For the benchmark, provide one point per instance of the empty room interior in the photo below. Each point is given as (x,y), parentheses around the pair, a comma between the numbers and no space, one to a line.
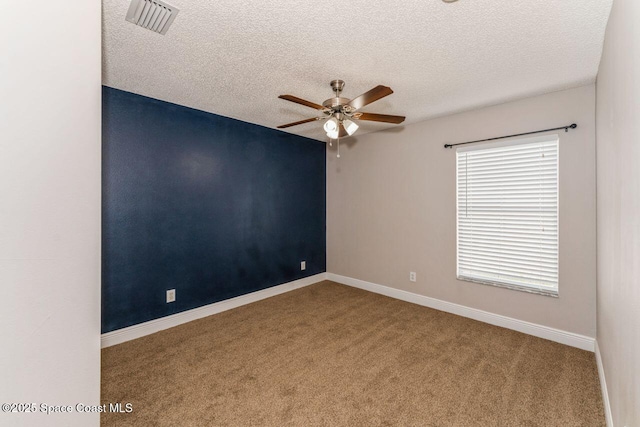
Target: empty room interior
(276,213)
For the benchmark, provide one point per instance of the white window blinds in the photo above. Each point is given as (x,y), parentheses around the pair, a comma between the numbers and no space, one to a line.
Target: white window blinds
(508,214)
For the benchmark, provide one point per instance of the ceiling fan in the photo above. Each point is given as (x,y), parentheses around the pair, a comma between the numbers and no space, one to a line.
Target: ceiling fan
(339,112)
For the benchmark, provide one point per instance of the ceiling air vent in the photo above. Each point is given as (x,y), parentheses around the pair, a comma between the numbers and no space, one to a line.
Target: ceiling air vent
(152,14)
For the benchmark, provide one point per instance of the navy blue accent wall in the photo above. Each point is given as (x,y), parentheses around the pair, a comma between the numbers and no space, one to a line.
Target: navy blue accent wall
(210,206)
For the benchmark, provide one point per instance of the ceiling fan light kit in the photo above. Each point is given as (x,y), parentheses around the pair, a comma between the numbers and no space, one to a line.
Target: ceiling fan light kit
(340,112)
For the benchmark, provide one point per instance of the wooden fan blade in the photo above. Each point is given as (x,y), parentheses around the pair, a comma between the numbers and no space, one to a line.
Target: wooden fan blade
(299,123)
(342,132)
(370,96)
(379,117)
(302,102)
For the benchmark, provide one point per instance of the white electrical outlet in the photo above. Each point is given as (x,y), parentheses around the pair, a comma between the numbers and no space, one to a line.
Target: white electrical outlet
(412,276)
(171,295)
(303,265)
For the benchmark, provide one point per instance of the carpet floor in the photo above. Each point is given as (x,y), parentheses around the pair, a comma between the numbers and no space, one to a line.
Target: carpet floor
(332,355)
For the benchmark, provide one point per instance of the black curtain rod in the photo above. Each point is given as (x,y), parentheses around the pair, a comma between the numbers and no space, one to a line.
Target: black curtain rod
(566,129)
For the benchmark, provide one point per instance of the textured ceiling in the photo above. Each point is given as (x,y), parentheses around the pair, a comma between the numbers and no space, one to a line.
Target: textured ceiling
(234,58)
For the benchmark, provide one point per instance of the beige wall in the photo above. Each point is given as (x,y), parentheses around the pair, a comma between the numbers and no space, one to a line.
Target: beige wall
(391,209)
(50,209)
(618,166)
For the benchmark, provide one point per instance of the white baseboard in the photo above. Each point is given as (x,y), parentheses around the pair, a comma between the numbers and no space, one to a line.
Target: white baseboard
(136,331)
(152,326)
(603,385)
(557,335)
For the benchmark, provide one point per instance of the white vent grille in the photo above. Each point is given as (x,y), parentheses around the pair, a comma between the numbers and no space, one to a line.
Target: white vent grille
(153,15)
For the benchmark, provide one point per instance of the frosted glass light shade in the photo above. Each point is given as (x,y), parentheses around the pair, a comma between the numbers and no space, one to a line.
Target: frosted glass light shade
(333,134)
(331,125)
(350,126)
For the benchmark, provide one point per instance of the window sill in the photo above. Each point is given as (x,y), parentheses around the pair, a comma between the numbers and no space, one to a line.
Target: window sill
(545,292)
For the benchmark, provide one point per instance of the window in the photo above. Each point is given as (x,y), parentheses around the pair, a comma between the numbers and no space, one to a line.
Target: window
(507,198)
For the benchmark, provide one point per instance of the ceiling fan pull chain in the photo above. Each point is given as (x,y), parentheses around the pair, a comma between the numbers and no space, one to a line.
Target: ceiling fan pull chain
(338,147)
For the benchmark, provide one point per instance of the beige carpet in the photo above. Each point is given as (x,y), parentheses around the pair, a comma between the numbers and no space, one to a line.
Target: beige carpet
(332,355)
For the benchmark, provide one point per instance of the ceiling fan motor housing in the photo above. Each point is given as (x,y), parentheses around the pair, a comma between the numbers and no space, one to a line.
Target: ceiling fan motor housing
(336,103)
